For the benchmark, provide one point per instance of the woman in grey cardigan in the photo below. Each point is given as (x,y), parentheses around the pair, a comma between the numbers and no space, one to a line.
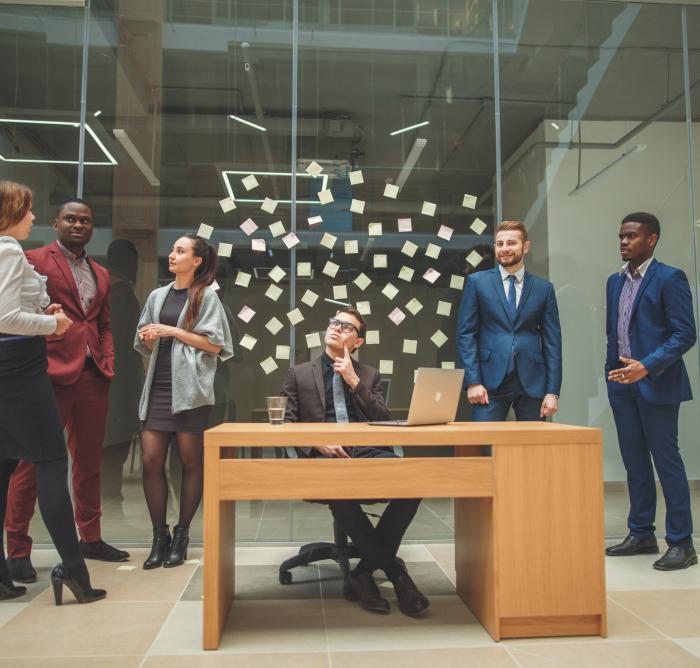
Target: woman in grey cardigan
(183,329)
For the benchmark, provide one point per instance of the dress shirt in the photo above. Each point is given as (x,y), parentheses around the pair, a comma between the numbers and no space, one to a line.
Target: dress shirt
(85,280)
(519,276)
(624,309)
(328,373)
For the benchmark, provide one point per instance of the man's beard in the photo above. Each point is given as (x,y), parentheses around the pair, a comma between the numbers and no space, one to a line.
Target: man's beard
(509,263)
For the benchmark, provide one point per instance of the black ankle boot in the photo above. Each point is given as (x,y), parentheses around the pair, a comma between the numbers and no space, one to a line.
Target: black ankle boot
(178,548)
(160,547)
(80,586)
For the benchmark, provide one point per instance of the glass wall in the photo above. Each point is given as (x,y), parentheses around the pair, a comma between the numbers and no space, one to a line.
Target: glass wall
(399,104)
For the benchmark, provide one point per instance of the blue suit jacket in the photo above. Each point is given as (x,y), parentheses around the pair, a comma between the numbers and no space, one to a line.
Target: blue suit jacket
(661,330)
(485,334)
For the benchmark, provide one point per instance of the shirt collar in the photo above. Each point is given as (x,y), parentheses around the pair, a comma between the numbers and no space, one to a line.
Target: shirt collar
(519,275)
(624,269)
(70,255)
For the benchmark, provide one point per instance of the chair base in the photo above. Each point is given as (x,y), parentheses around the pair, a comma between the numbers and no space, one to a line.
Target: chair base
(314,552)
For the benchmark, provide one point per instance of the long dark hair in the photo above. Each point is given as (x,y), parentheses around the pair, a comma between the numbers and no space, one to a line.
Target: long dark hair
(204,275)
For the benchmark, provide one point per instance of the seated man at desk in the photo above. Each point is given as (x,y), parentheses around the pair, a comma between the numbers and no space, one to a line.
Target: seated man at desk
(336,388)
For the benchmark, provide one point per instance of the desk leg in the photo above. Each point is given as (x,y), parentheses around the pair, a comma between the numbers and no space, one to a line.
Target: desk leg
(219,553)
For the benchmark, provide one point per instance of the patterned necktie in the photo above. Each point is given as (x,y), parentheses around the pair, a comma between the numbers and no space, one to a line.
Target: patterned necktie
(341,410)
(512,306)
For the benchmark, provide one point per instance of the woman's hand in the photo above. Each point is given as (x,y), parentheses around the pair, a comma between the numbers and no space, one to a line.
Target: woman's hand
(63,322)
(53,309)
(156,331)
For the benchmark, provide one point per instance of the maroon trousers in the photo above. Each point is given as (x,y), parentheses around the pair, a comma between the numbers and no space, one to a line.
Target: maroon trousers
(83,410)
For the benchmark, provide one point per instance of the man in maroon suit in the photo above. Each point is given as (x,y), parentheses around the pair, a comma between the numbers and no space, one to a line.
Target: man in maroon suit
(81,364)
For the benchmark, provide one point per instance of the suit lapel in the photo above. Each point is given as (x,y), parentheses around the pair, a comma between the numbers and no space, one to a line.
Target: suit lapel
(102,283)
(648,277)
(317,371)
(62,263)
(497,284)
(527,288)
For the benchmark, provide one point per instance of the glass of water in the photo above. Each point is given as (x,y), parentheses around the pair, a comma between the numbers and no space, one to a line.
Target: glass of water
(275,409)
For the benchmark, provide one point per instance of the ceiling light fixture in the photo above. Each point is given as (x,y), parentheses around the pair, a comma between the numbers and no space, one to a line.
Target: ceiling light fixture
(227,183)
(124,139)
(245,122)
(410,127)
(411,160)
(98,113)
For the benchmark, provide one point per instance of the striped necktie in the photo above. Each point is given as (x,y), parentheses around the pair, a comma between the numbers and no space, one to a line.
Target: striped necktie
(341,409)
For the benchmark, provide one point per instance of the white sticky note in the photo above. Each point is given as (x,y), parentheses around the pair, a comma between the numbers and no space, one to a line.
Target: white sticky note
(290,240)
(474,258)
(295,316)
(325,196)
(331,269)
(273,325)
(351,247)
(390,291)
(439,338)
(447,365)
(379,261)
(374,230)
(277,273)
(414,306)
(246,314)
(248,341)
(433,250)
(356,177)
(314,220)
(405,225)
(314,168)
(406,274)
(309,298)
(386,367)
(313,340)
(362,281)
(224,249)
(456,282)
(277,229)
(372,337)
(248,226)
(444,308)
(258,245)
(431,275)
(478,226)
(469,201)
(269,365)
(328,240)
(365,308)
(243,279)
(410,346)
(428,209)
(205,231)
(304,269)
(357,206)
(250,182)
(340,292)
(274,292)
(397,316)
(390,190)
(269,205)
(282,352)
(445,232)
(227,204)
(409,248)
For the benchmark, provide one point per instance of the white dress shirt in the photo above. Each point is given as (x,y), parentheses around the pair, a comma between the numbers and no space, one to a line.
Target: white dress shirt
(519,276)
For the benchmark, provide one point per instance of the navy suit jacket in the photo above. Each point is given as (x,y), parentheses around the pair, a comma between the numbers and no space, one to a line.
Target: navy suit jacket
(486,333)
(661,330)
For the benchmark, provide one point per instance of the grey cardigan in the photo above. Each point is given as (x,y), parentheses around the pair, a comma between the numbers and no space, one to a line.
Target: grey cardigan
(192,369)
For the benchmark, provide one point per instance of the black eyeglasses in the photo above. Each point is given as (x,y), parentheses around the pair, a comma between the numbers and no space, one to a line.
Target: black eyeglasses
(347,327)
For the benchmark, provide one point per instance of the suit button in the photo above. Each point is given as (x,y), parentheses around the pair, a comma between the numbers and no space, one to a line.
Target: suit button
(85,322)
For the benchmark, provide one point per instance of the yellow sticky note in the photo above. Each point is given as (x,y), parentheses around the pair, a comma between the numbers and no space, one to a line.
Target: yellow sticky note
(379,261)
(269,365)
(444,308)
(314,168)
(309,298)
(362,281)
(282,352)
(340,292)
(357,206)
(273,292)
(433,250)
(227,204)
(456,282)
(365,308)
(356,177)
(447,365)
(478,226)
(469,202)
(409,248)
(414,306)
(372,337)
(273,325)
(351,247)
(277,229)
(439,338)
(313,340)
(390,190)
(248,341)
(328,240)
(331,269)
(406,274)
(224,249)
(295,316)
(304,269)
(243,279)
(268,205)
(410,346)
(428,209)
(386,367)
(325,196)
(277,273)
(390,291)
(205,231)
(250,182)
(374,230)
(474,258)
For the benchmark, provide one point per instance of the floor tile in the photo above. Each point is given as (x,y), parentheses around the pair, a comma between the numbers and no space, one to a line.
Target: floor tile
(479,657)
(216,660)
(444,555)
(73,662)
(636,573)
(34,589)
(691,645)
(673,612)
(10,608)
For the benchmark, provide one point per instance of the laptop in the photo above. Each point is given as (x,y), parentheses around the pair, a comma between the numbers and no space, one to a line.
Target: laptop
(435,398)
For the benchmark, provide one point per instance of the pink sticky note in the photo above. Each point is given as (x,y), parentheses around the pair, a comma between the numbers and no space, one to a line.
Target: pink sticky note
(290,240)
(248,226)
(405,225)
(445,232)
(397,316)
(431,275)
(258,245)
(246,314)
(314,220)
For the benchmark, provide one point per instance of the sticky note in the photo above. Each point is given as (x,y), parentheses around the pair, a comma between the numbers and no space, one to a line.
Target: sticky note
(277,229)
(309,298)
(362,281)
(379,261)
(469,202)
(405,225)
(340,292)
(433,250)
(273,325)
(386,367)
(439,338)
(365,308)
(313,340)
(274,292)
(282,352)
(268,365)
(390,291)
(290,240)
(478,226)
(456,282)
(428,209)
(328,240)
(277,273)
(268,205)
(126,568)
(304,269)
(314,220)
(227,204)
(390,190)
(250,182)
(246,314)
(406,274)
(444,308)
(372,337)
(414,306)
(410,346)
(295,316)
(474,258)
(205,231)
(447,365)
(351,247)
(356,177)
(397,316)
(445,232)
(258,245)
(331,269)
(248,341)
(224,249)
(431,275)
(314,168)
(325,196)
(409,248)
(243,279)
(248,226)
(374,230)
(357,206)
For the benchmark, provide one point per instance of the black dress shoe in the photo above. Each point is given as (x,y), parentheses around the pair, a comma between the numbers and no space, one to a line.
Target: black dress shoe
(368,593)
(21,569)
(633,545)
(676,558)
(101,551)
(411,601)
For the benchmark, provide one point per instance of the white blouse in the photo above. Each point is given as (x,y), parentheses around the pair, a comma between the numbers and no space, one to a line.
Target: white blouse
(23,294)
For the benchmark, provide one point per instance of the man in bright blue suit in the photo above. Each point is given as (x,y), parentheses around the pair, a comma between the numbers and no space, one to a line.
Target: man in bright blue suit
(649,327)
(508,336)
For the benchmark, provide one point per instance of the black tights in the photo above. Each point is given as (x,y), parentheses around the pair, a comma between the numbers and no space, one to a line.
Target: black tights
(154,445)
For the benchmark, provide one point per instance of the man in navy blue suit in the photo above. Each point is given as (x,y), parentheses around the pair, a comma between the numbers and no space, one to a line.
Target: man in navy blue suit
(508,336)
(649,327)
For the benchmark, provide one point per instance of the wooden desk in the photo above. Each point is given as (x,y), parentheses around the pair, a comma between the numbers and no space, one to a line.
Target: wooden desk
(528,517)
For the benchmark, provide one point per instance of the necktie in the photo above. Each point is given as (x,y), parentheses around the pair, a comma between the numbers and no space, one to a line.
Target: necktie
(512,305)
(341,410)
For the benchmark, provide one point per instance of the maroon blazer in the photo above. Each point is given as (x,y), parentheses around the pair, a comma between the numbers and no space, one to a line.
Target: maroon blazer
(67,352)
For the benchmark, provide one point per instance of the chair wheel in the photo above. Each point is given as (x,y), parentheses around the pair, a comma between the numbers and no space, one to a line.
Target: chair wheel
(285,577)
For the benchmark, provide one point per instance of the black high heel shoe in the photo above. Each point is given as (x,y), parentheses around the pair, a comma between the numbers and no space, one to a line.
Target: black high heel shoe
(160,547)
(178,548)
(9,590)
(83,594)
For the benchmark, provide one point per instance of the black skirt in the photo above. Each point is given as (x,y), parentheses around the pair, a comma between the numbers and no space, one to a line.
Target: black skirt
(161,418)
(30,425)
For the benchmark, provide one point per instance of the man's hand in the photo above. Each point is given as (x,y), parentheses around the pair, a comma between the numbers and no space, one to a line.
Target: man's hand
(632,372)
(53,309)
(332,451)
(63,322)
(343,366)
(550,405)
(477,394)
